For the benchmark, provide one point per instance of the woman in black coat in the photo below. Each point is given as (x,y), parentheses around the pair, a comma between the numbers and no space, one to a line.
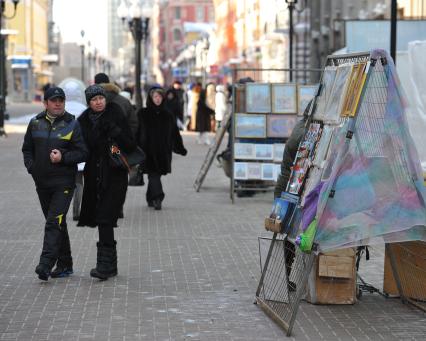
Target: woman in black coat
(158,136)
(105,187)
(203,118)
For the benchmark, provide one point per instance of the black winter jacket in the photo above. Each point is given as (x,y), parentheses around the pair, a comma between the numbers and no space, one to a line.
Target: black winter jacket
(158,137)
(41,138)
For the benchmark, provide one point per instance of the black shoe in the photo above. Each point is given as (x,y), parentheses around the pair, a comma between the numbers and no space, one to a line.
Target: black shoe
(61,271)
(150,204)
(157,205)
(291,286)
(43,272)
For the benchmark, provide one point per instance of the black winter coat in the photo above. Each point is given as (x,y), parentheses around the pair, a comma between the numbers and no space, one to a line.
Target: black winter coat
(41,138)
(105,187)
(158,137)
(204,114)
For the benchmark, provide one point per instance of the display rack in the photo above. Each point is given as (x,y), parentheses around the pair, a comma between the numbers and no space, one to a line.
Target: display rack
(263,117)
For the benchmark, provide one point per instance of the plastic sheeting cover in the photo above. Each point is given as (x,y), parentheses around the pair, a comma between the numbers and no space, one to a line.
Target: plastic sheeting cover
(376,176)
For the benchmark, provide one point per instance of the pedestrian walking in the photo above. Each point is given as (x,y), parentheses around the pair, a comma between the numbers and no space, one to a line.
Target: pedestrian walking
(158,136)
(221,105)
(180,95)
(53,146)
(204,114)
(105,186)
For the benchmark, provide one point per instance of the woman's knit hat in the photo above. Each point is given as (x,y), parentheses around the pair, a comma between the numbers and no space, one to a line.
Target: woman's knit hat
(94,90)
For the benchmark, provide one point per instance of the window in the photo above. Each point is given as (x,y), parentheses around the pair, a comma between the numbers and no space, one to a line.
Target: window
(177,35)
(177,13)
(199,14)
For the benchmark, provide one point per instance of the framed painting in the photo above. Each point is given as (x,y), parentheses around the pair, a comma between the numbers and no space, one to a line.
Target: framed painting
(258,98)
(268,171)
(254,170)
(240,171)
(328,78)
(250,126)
(280,125)
(240,98)
(278,152)
(264,151)
(304,95)
(244,151)
(353,93)
(284,98)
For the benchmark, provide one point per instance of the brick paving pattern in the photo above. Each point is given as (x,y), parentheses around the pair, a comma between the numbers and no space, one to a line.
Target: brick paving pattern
(188,272)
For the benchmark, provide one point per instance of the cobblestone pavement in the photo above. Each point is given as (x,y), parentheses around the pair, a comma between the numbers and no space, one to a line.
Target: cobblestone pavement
(188,272)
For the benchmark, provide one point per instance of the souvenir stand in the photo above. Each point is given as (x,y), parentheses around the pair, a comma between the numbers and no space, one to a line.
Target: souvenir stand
(356,180)
(264,115)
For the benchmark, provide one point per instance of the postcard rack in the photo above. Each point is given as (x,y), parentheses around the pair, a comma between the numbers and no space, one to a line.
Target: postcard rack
(264,115)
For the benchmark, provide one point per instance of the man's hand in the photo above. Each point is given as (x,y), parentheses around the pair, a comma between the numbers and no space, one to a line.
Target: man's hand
(55,156)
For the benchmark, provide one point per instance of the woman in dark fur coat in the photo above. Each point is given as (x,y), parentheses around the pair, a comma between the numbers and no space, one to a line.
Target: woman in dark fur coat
(105,187)
(158,136)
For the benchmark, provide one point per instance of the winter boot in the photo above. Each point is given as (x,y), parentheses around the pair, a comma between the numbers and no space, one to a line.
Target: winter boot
(61,271)
(106,263)
(43,271)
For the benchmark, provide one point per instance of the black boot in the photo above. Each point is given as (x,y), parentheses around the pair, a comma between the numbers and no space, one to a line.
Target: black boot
(157,204)
(106,263)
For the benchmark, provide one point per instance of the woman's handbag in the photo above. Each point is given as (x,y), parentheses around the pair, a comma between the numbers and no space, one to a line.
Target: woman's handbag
(136,176)
(119,159)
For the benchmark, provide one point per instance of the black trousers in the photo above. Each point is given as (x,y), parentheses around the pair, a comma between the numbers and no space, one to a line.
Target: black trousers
(55,203)
(155,188)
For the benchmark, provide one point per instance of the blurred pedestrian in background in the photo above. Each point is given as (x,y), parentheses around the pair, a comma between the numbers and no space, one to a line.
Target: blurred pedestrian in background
(221,103)
(180,96)
(105,185)
(158,136)
(195,96)
(203,117)
(53,146)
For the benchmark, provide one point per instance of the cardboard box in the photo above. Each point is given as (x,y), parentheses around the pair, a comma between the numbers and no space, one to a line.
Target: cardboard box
(333,278)
(410,259)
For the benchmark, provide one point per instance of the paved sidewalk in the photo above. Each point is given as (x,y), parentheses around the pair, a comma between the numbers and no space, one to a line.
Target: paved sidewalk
(188,272)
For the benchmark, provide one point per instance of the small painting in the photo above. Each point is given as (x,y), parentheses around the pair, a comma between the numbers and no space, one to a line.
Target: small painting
(278,152)
(284,98)
(250,126)
(268,171)
(305,93)
(244,151)
(254,170)
(281,125)
(258,98)
(240,171)
(264,151)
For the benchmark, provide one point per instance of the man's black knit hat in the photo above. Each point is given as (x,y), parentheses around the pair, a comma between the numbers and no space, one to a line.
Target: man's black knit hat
(101,78)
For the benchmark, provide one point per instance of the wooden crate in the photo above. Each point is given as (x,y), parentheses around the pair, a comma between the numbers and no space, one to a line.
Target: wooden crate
(333,278)
(410,259)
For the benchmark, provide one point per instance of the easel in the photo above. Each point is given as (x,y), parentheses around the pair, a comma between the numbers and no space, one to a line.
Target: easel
(212,152)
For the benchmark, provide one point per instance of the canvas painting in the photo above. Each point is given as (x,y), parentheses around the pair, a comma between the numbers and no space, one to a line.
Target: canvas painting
(254,170)
(268,171)
(353,94)
(278,151)
(328,77)
(334,105)
(240,171)
(264,151)
(258,98)
(244,151)
(280,125)
(250,126)
(305,94)
(284,98)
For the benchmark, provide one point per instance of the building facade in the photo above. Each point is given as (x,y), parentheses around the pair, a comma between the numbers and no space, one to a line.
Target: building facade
(27,49)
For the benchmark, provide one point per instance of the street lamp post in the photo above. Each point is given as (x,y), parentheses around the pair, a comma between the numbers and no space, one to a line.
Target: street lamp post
(291,5)
(82,55)
(3,79)
(138,25)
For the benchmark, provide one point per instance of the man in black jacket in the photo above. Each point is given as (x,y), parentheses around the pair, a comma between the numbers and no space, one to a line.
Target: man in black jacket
(52,148)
